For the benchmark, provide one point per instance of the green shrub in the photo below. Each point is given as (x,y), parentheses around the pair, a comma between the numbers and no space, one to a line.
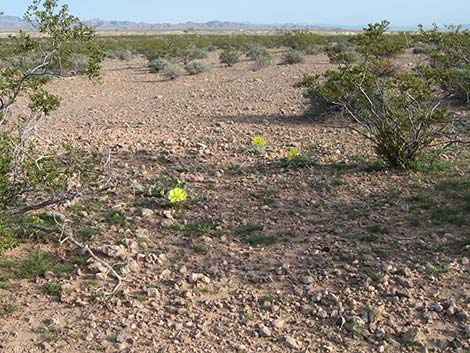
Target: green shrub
(449,64)
(261,56)
(121,54)
(159,64)
(293,57)
(190,53)
(255,52)
(32,179)
(196,67)
(299,39)
(79,64)
(172,71)
(229,57)
(421,48)
(342,53)
(399,113)
(314,49)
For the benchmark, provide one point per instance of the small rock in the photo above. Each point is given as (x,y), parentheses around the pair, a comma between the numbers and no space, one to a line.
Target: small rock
(133,265)
(413,335)
(152,292)
(375,314)
(279,324)
(462,315)
(292,343)
(307,279)
(437,307)
(89,337)
(465,261)
(146,212)
(241,348)
(322,314)
(168,214)
(121,337)
(264,331)
(166,222)
(165,275)
(49,275)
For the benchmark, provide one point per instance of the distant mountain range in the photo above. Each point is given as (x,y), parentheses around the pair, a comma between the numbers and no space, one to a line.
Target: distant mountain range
(13,23)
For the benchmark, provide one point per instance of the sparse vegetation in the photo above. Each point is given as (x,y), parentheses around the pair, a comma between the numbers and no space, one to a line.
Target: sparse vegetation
(261,57)
(398,112)
(196,67)
(230,57)
(159,64)
(293,57)
(172,71)
(449,65)
(31,179)
(226,212)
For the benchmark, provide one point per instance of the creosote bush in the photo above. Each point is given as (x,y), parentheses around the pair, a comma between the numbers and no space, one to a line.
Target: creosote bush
(190,53)
(31,178)
(157,65)
(196,67)
(314,49)
(121,54)
(261,57)
(172,71)
(229,57)
(449,54)
(400,113)
(293,56)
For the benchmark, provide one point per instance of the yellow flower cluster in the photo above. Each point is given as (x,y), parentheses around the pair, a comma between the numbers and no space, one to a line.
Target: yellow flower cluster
(259,141)
(293,153)
(177,195)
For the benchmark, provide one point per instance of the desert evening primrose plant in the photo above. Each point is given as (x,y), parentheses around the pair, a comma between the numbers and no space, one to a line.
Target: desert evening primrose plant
(167,192)
(257,146)
(293,153)
(295,159)
(177,195)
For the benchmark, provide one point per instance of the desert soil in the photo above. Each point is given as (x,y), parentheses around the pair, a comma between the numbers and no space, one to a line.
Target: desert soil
(334,258)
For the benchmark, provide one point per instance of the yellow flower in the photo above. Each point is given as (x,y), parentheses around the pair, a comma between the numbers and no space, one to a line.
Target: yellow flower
(259,141)
(293,153)
(177,195)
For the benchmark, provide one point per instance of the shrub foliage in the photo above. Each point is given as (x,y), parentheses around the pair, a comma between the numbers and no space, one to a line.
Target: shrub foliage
(400,113)
(30,178)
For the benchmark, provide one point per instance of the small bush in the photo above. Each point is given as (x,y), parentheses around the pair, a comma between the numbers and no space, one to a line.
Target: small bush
(190,53)
(314,49)
(211,48)
(299,39)
(79,64)
(261,56)
(255,52)
(342,53)
(449,63)
(172,71)
(196,67)
(293,57)
(229,57)
(400,113)
(262,62)
(421,48)
(123,54)
(159,64)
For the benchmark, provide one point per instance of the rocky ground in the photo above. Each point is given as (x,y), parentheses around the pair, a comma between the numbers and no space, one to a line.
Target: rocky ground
(344,256)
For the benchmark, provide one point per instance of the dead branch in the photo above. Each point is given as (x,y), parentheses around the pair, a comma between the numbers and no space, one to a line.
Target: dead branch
(68,237)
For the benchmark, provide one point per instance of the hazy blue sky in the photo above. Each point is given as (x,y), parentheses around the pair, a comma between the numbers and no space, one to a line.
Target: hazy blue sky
(347,12)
